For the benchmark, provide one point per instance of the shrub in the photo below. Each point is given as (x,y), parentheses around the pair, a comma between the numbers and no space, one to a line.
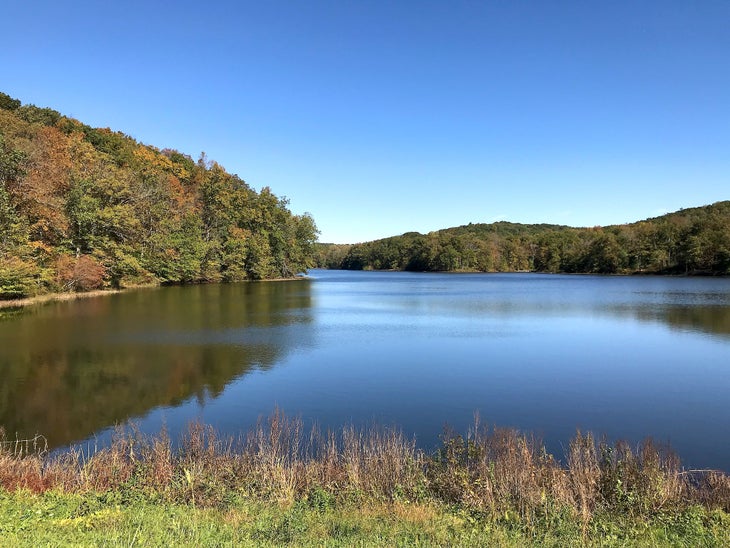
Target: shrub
(19,278)
(81,274)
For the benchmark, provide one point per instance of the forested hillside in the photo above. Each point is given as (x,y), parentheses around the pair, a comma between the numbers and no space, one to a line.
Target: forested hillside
(84,208)
(695,240)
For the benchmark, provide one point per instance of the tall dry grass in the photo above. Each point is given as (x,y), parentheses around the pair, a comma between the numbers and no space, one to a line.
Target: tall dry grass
(492,470)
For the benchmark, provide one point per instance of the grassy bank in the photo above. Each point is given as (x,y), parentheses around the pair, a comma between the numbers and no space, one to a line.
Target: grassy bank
(283,484)
(112,519)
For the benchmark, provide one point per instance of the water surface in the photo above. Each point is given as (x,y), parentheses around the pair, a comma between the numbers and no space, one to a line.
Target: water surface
(625,357)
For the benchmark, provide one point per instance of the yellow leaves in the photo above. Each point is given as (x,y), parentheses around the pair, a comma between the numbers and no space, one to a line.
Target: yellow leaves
(146,155)
(41,247)
(180,172)
(239,234)
(152,161)
(101,518)
(86,160)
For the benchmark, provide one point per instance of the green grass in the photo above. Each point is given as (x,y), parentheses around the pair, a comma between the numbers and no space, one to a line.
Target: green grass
(53,519)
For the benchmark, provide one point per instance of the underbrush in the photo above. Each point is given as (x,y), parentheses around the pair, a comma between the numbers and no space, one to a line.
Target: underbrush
(323,485)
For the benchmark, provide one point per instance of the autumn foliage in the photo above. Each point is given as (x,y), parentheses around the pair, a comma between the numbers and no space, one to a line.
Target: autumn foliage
(79,274)
(86,208)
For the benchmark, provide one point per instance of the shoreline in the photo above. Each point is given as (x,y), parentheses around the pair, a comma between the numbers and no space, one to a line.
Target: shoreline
(636,274)
(66,296)
(72,296)
(493,479)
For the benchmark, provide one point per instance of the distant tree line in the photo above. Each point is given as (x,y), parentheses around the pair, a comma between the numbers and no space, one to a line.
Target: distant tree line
(689,241)
(84,208)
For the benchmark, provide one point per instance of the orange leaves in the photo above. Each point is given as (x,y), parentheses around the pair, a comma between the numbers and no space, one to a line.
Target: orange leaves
(40,194)
(79,274)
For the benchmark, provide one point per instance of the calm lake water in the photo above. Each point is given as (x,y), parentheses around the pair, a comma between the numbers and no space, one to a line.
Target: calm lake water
(626,357)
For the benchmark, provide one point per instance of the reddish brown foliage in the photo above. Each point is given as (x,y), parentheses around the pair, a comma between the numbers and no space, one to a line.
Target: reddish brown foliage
(80,274)
(41,194)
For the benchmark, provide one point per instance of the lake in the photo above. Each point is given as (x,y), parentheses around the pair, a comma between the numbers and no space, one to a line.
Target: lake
(624,357)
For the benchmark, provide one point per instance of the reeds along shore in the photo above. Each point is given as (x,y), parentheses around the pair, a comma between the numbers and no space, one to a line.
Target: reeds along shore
(491,470)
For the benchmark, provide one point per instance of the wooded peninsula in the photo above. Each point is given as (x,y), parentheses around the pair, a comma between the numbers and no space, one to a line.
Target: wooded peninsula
(85,208)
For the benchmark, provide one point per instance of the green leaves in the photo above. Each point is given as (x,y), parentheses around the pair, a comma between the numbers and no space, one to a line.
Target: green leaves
(176,250)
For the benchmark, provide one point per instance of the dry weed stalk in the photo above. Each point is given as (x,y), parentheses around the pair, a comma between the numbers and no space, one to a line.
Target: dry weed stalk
(495,470)
(584,473)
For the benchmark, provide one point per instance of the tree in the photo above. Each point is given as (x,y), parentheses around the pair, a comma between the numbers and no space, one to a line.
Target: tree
(14,230)
(19,278)
(36,115)
(82,273)
(42,194)
(177,250)
(8,103)
(605,255)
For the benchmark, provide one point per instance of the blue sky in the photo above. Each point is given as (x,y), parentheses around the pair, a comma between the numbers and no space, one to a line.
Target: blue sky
(381,117)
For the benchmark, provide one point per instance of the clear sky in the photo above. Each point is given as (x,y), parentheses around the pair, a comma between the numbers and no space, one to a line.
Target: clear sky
(383,116)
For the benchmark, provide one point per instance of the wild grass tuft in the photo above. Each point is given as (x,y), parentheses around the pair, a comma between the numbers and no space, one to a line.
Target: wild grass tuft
(486,472)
